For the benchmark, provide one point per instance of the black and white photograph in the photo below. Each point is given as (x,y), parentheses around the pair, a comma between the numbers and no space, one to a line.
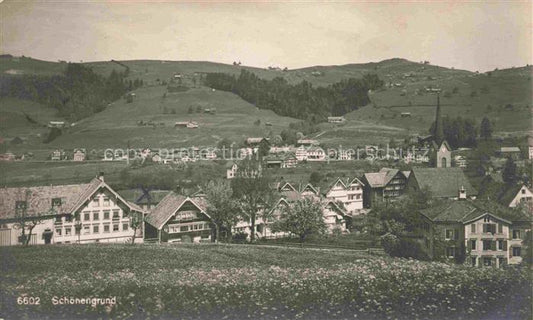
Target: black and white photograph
(266,160)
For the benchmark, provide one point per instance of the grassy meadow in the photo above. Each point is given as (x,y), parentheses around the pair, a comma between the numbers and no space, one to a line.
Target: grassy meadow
(242,282)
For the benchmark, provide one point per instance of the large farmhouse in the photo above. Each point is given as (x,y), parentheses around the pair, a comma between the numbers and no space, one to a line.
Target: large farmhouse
(386,184)
(347,191)
(440,182)
(77,213)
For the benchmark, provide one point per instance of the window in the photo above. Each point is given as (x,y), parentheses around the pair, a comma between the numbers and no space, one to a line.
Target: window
(68,218)
(184,228)
(523,191)
(487,262)
(450,252)
(449,234)
(68,231)
(489,228)
(106,228)
(77,231)
(125,227)
(473,228)
(58,232)
(500,244)
(96,216)
(501,261)
(86,216)
(516,234)
(116,214)
(500,228)
(517,251)
(474,260)
(56,202)
(487,245)
(106,202)
(115,228)
(96,229)
(106,215)
(86,229)
(96,202)
(473,244)
(59,219)
(350,197)
(20,205)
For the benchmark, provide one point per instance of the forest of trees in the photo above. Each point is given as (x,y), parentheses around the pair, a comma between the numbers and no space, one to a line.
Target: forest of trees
(459,132)
(77,93)
(302,101)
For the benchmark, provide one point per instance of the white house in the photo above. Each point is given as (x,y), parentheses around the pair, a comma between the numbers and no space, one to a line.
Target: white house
(231,170)
(336,119)
(530,147)
(78,213)
(517,195)
(349,192)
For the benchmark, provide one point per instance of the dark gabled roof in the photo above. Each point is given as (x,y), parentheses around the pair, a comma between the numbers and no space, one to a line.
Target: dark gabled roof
(137,196)
(509,194)
(168,206)
(382,178)
(39,199)
(465,211)
(437,146)
(443,182)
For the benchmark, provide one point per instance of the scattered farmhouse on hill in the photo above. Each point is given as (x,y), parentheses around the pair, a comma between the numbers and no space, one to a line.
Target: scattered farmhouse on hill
(91,212)
(517,195)
(79,155)
(336,119)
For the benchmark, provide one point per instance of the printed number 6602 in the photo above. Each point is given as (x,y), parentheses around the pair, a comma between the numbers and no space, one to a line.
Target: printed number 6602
(29,300)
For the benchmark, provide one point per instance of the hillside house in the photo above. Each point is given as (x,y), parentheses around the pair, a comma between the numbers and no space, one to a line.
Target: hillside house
(460,161)
(307,142)
(301,153)
(530,147)
(255,142)
(78,213)
(57,155)
(349,192)
(386,184)
(441,182)
(288,160)
(78,155)
(482,234)
(8,156)
(57,124)
(178,218)
(336,119)
(510,152)
(405,114)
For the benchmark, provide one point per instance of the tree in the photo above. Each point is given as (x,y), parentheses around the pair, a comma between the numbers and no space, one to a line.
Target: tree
(315,178)
(509,172)
(302,218)
(485,130)
(264,148)
(136,221)
(252,191)
(221,206)
(26,221)
(190,110)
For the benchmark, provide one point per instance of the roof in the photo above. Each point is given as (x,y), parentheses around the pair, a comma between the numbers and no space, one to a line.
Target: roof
(510,149)
(437,146)
(139,197)
(466,211)
(168,206)
(509,194)
(443,182)
(39,199)
(381,178)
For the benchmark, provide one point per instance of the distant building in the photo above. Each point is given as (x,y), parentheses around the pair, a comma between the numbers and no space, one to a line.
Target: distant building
(443,154)
(336,119)
(57,155)
(78,155)
(307,142)
(517,195)
(405,114)
(460,161)
(349,192)
(281,161)
(255,142)
(530,147)
(57,124)
(316,154)
(8,156)
(512,152)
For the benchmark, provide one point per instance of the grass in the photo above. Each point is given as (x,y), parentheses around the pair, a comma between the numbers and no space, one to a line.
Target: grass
(241,282)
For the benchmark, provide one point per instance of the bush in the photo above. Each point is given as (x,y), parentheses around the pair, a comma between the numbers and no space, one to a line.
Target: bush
(403,247)
(239,237)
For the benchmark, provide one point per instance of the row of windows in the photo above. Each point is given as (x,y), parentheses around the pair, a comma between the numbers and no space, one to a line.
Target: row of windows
(354,196)
(488,261)
(187,228)
(91,229)
(105,203)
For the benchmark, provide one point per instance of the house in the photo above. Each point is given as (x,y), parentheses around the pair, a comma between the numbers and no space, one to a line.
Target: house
(482,234)
(512,152)
(336,119)
(78,213)
(386,184)
(530,147)
(186,124)
(460,161)
(192,125)
(405,114)
(178,218)
(78,155)
(441,182)
(255,142)
(8,156)
(56,124)
(146,198)
(57,155)
(301,153)
(316,154)
(349,192)
(231,169)
(307,142)
(281,161)
(517,195)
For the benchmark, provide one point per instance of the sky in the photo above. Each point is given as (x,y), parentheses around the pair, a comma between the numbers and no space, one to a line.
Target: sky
(473,35)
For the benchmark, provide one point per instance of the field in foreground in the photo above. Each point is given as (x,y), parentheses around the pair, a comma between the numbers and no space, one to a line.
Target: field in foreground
(242,282)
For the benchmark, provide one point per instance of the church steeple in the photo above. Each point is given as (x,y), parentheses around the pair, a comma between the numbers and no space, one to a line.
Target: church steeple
(438,135)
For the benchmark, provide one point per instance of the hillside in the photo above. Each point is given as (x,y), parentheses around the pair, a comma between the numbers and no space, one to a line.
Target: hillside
(503,95)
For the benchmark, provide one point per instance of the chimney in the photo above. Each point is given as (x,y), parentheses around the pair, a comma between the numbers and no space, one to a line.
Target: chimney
(101,176)
(462,193)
